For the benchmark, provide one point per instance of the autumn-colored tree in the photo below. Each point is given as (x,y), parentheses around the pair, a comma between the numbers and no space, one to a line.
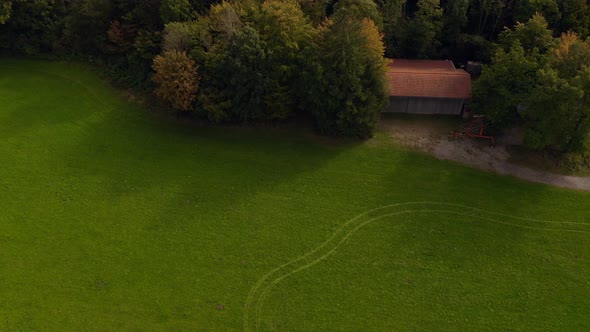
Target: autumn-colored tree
(176,79)
(565,42)
(224,19)
(570,55)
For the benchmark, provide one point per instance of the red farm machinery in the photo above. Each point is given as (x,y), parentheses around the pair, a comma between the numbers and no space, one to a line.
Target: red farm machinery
(476,128)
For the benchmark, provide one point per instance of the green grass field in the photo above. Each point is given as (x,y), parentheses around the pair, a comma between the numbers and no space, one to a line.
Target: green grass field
(116,218)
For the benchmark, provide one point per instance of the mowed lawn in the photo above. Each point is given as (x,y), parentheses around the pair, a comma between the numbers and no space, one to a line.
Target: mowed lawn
(116,218)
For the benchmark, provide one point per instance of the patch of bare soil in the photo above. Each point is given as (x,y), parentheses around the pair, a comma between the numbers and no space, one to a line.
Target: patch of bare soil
(433,135)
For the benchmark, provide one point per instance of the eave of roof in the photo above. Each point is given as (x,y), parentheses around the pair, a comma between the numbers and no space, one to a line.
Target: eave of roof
(428,79)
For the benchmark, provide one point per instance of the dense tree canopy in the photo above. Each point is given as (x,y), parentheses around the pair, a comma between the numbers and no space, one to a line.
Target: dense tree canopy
(176,78)
(175,11)
(533,36)
(460,29)
(269,60)
(505,85)
(545,84)
(359,9)
(419,35)
(352,90)
(558,115)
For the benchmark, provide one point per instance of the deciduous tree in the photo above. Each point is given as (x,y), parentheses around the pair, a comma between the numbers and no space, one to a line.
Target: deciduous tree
(558,115)
(505,85)
(176,79)
(287,35)
(571,55)
(359,9)
(180,36)
(250,84)
(534,35)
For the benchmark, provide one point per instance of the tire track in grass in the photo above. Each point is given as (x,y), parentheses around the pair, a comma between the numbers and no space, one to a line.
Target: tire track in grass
(256,296)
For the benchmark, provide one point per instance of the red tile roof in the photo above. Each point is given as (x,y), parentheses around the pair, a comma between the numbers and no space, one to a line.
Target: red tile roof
(428,78)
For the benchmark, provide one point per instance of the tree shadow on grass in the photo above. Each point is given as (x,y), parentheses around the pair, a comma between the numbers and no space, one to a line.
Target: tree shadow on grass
(196,198)
(196,206)
(139,192)
(101,134)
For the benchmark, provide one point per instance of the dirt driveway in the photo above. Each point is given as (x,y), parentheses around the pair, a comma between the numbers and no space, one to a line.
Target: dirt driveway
(431,134)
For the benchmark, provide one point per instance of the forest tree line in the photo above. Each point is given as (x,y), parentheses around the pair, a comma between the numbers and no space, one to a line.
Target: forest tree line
(254,60)
(541,82)
(447,29)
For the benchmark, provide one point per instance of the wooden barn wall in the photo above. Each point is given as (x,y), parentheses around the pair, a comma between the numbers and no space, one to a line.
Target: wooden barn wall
(424,105)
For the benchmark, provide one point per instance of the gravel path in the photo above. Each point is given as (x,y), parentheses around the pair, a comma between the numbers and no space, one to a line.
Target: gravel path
(432,136)
(467,152)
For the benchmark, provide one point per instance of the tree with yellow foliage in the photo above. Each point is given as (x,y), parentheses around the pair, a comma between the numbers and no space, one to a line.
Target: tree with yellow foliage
(176,79)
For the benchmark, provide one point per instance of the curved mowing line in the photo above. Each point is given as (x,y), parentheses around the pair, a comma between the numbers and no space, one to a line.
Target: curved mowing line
(257,294)
(267,289)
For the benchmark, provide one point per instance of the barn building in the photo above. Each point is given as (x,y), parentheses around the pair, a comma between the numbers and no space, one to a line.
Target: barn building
(427,87)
